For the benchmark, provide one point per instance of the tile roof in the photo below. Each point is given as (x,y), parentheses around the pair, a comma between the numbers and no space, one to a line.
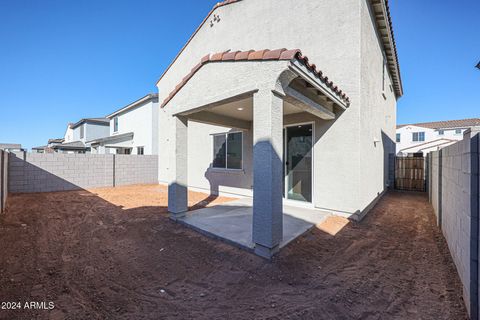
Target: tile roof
(260,55)
(463,123)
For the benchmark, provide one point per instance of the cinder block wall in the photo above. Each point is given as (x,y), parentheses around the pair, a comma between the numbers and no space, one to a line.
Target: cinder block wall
(3,180)
(454,193)
(135,169)
(31,172)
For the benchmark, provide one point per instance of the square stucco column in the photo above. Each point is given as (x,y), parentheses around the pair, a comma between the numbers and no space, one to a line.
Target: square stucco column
(267,172)
(177,186)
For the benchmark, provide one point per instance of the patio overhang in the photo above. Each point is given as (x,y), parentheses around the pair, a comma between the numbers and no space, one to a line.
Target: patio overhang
(287,73)
(250,90)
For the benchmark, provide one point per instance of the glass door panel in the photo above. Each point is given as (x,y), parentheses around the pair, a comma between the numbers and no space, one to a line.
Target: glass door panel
(298,162)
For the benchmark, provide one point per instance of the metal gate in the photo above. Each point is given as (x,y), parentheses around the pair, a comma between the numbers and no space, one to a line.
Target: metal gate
(410,174)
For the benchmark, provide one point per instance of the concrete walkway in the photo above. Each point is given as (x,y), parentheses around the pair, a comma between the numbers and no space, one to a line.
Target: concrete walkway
(232,222)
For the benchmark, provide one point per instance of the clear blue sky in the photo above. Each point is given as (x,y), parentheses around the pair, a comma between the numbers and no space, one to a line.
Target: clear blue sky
(61,61)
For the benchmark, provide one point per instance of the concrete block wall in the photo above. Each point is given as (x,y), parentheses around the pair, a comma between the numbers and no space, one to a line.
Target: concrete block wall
(454,194)
(31,172)
(3,180)
(135,169)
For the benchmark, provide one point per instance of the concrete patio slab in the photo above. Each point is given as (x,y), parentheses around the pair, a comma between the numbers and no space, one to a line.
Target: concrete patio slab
(232,222)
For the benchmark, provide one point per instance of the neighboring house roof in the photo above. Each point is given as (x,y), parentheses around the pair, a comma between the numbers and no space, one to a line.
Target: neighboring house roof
(40,148)
(463,123)
(59,140)
(10,146)
(262,55)
(117,137)
(100,121)
(147,98)
(75,145)
(384,24)
(429,144)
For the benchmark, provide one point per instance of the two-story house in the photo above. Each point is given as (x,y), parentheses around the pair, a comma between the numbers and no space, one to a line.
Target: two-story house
(133,129)
(422,138)
(78,134)
(282,101)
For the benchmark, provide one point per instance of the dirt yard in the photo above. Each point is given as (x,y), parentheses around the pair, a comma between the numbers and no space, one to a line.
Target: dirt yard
(114,254)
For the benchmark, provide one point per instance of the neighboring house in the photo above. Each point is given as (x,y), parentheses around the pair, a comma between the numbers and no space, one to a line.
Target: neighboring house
(49,147)
(133,129)
(422,138)
(241,119)
(76,136)
(11,147)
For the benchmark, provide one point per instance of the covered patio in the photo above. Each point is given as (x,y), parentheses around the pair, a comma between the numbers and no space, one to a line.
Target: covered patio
(259,92)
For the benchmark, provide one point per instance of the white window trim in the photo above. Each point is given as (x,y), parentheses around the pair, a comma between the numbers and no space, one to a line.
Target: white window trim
(226,169)
(115,119)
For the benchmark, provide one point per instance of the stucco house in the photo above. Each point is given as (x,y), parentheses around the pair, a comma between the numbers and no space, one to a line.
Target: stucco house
(283,101)
(77,136)
(133,129)
(422,138)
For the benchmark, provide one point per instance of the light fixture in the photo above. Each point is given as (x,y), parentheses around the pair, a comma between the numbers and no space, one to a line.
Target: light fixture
(299,126)
(240,109)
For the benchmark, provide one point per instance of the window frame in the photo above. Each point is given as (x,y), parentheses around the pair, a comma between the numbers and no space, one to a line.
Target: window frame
(458,133)
(115,124)
(441,132)
(82,131)
(398,138)
(143,150)
(419,133)
(226,168)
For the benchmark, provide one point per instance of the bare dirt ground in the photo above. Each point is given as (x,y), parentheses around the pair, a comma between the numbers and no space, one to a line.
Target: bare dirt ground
(114,254)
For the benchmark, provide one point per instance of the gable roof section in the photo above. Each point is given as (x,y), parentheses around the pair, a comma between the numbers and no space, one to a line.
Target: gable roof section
(463,123)
(218,5)
(144,99)
(100,121)
(261,55)
(385,27)
(384,24)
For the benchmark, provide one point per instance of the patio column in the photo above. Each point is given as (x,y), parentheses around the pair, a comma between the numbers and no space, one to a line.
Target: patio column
(267,172)
(177,187)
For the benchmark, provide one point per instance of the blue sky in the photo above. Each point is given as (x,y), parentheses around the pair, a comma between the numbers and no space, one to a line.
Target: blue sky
(61,60)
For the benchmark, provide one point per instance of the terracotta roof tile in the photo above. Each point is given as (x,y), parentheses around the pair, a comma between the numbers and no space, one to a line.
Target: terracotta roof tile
(257,55)
(229,56)
(260,55)
(243,55)
(274,54)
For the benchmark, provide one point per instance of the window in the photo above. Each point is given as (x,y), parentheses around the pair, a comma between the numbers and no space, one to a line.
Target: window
(82,131)
(127,151)
(398,137)
(228,150)
(458,131)
(115,124)
(418,136)
(140,150)
(441,132)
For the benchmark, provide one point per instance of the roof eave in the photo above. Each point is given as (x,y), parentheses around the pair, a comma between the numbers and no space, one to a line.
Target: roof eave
(149,97)
(384,26)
